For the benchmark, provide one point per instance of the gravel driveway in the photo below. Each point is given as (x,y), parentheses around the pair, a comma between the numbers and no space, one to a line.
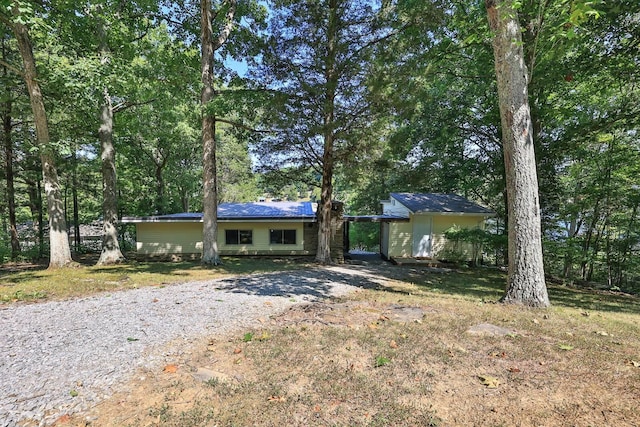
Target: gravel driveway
(63,357)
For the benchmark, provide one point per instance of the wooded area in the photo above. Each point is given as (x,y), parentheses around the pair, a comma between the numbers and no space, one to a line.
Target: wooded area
(148,107)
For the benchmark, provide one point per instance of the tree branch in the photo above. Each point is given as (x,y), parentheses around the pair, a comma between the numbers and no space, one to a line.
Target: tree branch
(226,31)
(11,68)
(243,126)
(128,104)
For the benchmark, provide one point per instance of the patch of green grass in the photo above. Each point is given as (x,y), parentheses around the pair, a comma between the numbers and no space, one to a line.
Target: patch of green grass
(38,282)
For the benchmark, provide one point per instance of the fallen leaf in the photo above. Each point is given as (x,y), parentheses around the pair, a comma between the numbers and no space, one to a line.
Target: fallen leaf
(372,326)
(634,363)
(490,382)
(602,333)
(237,350)
(170,369)
(63,419)
(155,300)
(265,336)
(513,369)
(279,399)
(393,344)
(268,303)
(383,318)
(565,347)
(73,393)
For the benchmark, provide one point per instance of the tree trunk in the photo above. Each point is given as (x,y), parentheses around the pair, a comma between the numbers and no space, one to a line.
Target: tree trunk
(74,196)
(7,127)
(525,281)
(210,255)
(111,253)
(323,254)
(160,205)
(60,252)
(11,195)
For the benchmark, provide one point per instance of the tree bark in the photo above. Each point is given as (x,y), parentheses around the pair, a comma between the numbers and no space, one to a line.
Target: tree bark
(60,252)
(74,201)
(210,254)
(323,253)
(111,253)
(525,280)
(7,127)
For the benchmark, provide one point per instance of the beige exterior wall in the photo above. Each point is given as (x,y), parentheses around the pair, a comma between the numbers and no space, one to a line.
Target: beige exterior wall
(261,245)
(442,223)
(400,239)
(161,238)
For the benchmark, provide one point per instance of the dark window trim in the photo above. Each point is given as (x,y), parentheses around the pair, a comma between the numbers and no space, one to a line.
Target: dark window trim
(281,236)
(235,237)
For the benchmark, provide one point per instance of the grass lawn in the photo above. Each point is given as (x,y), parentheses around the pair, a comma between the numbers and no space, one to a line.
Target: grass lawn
(402,354)
(32,282)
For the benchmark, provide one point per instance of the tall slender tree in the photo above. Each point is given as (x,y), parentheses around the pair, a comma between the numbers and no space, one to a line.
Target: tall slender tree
(319,57)
(525,282)
(209,45)
(60,251)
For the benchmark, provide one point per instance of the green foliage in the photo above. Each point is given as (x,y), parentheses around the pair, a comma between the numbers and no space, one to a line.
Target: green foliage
(365,236)
(465,244)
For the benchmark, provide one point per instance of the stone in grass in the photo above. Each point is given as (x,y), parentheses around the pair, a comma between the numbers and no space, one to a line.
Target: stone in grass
(489,329)
(206,375)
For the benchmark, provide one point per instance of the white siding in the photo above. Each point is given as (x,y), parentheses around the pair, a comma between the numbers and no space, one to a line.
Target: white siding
(395,208)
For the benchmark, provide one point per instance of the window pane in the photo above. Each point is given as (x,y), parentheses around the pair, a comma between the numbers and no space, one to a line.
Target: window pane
(246,237)
(282,237)
(289,237)
(275,236)
(231,237)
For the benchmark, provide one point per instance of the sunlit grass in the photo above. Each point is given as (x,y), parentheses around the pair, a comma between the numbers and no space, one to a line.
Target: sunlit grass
(373,370)
(40,283)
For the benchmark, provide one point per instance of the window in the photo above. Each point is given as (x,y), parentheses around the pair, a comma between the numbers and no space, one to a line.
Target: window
(238,237)
(282,237)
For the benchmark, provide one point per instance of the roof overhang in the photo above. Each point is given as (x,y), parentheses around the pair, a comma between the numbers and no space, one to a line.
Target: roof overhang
(375,218)
(152,219)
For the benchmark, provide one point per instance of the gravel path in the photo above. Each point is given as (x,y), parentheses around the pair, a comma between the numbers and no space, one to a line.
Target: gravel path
(64,357)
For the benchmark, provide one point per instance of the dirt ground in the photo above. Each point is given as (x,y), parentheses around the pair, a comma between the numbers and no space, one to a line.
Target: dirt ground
(397,356)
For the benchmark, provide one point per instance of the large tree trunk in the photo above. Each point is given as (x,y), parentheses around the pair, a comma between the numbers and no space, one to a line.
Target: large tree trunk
(525,281)
(111,253)
(60,252)
(323,254)
(210,253)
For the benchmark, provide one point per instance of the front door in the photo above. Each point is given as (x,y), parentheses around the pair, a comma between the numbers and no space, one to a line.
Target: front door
(422,237)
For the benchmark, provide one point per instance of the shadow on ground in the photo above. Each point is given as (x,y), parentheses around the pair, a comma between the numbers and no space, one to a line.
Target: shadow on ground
(313,283)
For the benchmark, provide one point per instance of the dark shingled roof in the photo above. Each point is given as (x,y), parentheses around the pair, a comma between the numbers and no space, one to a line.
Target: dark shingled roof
(432,202)
(242,211)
